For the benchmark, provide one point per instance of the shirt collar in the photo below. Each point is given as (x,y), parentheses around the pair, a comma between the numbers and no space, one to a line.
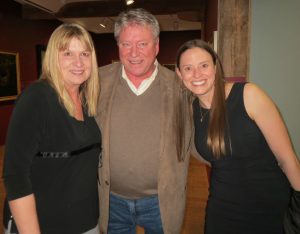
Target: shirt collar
(145,83)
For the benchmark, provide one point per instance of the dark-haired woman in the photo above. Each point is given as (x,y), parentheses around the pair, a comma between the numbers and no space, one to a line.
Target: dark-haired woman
(240,132)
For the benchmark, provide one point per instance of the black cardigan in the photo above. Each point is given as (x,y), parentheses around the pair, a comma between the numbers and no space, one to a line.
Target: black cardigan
(65,188)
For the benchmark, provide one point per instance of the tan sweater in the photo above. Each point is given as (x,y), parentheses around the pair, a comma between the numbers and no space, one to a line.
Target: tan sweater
(134,141)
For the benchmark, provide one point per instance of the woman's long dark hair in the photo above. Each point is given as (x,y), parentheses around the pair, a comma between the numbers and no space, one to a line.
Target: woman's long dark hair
(217,115)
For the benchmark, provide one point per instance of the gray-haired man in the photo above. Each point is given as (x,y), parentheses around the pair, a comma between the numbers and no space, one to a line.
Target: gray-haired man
(143,174)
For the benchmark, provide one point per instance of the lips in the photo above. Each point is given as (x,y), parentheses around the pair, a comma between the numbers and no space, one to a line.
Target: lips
(77,72)
(135,61)
(198,83)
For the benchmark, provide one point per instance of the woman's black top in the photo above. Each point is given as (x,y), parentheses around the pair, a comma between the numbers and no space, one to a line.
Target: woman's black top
(248,191)
(55,157)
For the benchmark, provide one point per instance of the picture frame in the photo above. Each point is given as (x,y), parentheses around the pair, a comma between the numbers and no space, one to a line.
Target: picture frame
(170,66)
(40,53)
(10,86)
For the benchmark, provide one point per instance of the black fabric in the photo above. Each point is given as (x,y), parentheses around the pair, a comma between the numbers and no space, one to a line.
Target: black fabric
(65,189)
(292,217)
(248,191)
(67,154)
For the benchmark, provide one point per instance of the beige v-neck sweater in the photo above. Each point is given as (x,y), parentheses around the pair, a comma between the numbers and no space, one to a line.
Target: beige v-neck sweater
(134,164)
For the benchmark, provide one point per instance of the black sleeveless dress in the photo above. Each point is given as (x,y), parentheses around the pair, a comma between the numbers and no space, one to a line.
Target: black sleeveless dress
(248,191)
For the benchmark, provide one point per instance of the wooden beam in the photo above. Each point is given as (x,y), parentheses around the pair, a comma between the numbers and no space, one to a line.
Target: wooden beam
(233,36)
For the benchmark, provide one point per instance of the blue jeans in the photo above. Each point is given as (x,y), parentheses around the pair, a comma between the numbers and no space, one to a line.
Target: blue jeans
(125,214)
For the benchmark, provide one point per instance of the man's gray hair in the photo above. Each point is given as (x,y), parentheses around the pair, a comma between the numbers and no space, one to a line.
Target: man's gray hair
(136,16)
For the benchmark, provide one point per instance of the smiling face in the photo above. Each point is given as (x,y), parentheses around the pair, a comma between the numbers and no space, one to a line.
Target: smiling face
(75,63)
(197,71)
(137,50)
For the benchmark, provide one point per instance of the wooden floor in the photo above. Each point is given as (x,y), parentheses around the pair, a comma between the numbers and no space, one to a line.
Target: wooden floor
(196,197)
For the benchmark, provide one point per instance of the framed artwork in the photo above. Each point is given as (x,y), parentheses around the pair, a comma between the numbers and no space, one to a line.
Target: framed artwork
(10,86)
(40,53)
(170,66)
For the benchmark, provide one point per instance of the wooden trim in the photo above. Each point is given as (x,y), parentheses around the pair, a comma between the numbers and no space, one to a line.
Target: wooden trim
(233,36)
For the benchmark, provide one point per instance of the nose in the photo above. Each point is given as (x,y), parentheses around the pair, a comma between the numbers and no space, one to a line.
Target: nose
(134,51)
(197,72)
(78,61)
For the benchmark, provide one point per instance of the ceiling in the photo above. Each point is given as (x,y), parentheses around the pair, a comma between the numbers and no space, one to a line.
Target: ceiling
(173,15)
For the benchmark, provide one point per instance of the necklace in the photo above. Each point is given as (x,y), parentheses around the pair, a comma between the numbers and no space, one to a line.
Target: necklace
(202,115)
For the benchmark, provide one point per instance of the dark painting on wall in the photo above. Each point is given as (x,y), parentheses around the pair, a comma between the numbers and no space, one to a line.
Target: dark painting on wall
(9,76)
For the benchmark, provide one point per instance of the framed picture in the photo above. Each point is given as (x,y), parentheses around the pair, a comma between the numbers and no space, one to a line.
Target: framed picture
(40,53)
(170,66)
(10,86)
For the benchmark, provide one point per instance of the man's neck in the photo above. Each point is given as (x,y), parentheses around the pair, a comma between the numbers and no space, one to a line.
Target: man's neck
(137,80)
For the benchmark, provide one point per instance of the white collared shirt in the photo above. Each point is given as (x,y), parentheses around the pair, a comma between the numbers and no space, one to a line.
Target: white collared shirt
(145,83)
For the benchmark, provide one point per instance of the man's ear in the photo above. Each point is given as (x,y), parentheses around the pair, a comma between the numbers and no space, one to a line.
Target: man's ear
(157,46)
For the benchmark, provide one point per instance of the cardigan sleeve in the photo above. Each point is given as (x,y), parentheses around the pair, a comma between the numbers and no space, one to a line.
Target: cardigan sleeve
(24,134)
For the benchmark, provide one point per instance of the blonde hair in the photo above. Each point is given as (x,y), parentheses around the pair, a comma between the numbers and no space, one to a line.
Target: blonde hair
(217,116)
(89,90)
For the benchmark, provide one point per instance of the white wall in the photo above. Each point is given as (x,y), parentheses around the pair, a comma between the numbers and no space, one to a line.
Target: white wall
(275,57)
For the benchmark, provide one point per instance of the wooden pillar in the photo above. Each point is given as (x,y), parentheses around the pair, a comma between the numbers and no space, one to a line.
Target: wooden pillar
(233,37)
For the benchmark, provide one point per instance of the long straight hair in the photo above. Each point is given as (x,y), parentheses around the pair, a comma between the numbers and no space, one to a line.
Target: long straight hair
(217,115)
(89,90)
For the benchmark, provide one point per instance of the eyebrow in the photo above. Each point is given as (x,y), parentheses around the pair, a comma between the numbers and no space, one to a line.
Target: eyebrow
(206,61)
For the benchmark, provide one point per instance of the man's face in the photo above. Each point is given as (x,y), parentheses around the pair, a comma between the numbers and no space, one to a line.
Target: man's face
(138,50)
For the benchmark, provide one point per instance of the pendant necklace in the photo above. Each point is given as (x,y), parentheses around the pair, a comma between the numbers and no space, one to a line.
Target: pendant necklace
(202,115)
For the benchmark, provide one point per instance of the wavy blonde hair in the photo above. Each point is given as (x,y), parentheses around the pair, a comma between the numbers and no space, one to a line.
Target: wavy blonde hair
(89,90)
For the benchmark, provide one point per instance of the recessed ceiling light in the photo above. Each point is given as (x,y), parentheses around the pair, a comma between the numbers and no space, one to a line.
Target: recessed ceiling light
(129,2)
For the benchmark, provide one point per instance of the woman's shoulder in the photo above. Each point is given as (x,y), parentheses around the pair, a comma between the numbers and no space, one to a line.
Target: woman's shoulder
(37,86)
(252,89)
(36,92)
(256,100)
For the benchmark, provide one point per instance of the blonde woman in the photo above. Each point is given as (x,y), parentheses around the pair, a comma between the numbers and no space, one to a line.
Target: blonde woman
(240,132)
(53,142)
